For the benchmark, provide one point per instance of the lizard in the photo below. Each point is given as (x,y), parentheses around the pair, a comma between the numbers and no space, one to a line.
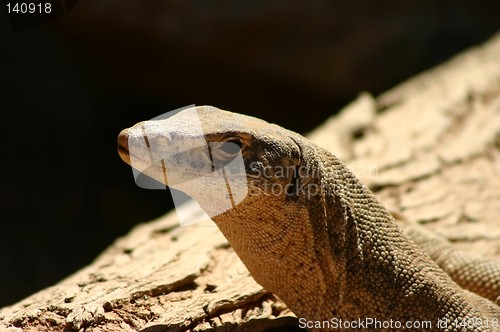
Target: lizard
(324,244)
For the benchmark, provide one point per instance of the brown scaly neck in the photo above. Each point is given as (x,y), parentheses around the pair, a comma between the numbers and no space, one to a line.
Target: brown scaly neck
(384,270)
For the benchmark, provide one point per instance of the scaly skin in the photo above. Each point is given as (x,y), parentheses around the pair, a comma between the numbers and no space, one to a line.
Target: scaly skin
(476,274)
(323,243)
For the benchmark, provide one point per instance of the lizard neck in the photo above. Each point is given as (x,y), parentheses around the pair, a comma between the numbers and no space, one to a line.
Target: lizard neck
(338,253)
(284,259)
(382,273)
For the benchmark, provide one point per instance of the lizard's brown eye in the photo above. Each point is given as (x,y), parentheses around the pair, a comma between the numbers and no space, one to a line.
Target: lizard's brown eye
(225,151)
(231,147)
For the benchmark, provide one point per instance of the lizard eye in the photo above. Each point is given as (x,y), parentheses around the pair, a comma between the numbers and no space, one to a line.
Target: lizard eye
(225,151)
(231,147)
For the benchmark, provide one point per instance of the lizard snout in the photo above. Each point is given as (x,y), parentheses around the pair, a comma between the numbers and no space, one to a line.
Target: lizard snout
(123,150)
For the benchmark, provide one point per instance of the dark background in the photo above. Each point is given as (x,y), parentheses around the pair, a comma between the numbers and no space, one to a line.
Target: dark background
(68,87)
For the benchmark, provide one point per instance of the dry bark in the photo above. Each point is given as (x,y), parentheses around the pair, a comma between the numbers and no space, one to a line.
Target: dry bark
(429,148)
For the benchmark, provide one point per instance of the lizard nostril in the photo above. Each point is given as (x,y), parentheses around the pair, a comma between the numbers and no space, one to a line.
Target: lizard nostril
(123,146)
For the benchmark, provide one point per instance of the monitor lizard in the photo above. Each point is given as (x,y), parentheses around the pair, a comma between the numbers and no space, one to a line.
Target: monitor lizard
(323,244)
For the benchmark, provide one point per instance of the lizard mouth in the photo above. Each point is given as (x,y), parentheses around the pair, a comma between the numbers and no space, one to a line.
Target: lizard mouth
(123,150)
(150,171)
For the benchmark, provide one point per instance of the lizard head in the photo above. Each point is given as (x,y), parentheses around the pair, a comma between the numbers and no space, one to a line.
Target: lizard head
(220,159)
(248,175)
